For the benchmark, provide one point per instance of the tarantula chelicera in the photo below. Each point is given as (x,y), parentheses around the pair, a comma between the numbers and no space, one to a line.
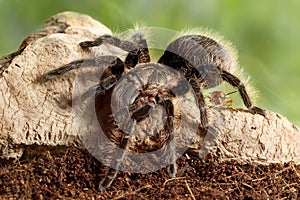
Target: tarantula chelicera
(201,61)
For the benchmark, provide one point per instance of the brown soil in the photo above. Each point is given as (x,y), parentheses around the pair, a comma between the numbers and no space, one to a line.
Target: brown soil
(75,174)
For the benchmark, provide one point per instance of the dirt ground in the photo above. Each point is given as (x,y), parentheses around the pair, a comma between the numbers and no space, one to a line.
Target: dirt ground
(74,174)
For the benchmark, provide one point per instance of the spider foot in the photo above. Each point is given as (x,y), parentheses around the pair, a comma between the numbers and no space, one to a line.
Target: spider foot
(95,90)
(86,44)
(97,42)
(211,132)
(206,130)
(257,110)
(172,170)
(68,67)
(107,180)
(55,73)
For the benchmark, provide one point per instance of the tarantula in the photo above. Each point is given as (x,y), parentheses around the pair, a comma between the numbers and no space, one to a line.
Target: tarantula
(201,60)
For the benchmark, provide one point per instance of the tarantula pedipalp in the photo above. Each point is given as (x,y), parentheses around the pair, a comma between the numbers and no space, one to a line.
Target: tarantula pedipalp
(201,63)
(218,98)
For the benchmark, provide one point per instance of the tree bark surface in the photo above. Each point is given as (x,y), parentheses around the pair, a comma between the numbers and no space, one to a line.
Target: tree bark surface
(34,112)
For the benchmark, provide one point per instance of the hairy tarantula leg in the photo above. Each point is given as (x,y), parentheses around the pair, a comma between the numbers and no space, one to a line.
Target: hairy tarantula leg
(133,52)
(68,67)
(137,49)
(110,175)
(112,40)
(202,105)
(99,41)
(235,82)
(172,168)
(203,113)
(100,88)
(141,42)
(103,61)
(112,172)
(108,179)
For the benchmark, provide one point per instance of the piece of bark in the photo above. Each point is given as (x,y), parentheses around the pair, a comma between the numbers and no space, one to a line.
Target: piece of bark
(66,22)
(250,138)
(40,113)
(34,112)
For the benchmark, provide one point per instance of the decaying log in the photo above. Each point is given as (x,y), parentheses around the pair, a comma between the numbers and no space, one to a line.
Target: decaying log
(37,112)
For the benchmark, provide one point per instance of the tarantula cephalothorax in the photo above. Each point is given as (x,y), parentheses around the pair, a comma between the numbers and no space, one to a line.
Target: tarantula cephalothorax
(200,60)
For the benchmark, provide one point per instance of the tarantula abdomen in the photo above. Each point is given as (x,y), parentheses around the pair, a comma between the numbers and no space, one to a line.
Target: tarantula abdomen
(198,57)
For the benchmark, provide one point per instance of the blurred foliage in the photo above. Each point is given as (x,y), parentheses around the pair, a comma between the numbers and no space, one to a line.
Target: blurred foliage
(266,33)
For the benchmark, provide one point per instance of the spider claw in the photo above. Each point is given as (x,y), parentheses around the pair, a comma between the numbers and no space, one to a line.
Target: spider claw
(49,76)
(86,44)
(52,74)
(172,170)
(257,110)
(107,180)
(97,42)
(95,90)
(65,68)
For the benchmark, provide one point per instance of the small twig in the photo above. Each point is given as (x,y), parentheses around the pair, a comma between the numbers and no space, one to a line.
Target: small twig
(172,179)
(133,192)
(52,193)
(296,171)
(186,184)
(247,185)
(259,179)
(281,171)
(189,189)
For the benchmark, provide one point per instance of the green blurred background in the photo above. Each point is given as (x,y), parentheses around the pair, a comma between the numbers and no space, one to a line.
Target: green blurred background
(266,33)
